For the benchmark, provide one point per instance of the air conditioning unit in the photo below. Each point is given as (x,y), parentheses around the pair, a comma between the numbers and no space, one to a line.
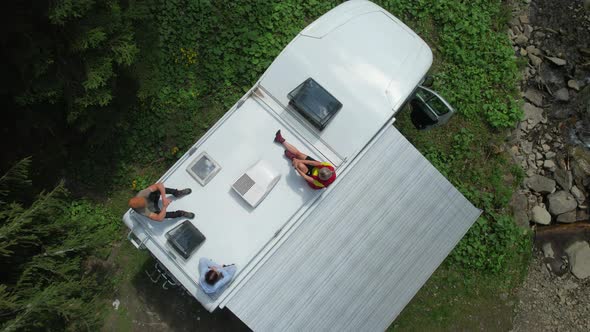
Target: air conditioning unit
(256,182)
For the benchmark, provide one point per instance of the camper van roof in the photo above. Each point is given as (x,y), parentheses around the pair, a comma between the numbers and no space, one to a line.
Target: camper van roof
(365,57)
(365,75)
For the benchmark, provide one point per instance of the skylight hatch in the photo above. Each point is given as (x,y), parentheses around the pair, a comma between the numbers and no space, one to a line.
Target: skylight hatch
(203,168)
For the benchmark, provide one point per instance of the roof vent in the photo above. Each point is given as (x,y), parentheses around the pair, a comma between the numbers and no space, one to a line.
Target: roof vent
(256,183)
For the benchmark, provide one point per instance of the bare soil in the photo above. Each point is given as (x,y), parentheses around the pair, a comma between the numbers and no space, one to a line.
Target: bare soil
(145,306)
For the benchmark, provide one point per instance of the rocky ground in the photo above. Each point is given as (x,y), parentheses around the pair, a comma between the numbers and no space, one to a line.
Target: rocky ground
(551,303)
(552,144)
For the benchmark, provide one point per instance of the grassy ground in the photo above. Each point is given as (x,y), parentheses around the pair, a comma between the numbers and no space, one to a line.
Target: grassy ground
(208,54)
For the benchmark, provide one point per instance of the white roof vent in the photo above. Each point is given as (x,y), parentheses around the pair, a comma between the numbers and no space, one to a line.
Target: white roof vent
(256,183)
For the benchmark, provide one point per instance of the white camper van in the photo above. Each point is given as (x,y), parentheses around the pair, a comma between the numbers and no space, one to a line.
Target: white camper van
(348,257)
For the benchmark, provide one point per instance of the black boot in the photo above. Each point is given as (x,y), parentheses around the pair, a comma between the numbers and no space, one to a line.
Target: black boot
(185,214)
(183,192)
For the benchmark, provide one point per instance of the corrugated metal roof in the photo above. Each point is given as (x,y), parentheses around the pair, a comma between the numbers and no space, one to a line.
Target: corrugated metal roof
(364,252)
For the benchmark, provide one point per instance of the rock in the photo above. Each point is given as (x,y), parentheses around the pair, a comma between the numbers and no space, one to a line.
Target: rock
(559,112)
(563,178)
(116,304)
(573,84)
(539,35)
(527,30)
(535,60)
(540,215)
(578,195)
(533,50)
(540,184)
(538,155)
(526,146)
(530,126)
(585,51)
(524,19)
(561,202)
(532,114)
(556,61)
(567,218)
(519,204)
(510,33)
(548,250)
(562,94)
(523,53)
(550,155)
(579,259)
(582,215)
(581,166)
(522,126)
(549,165)
(534,96)
(516,29)
(552,77)
(582,132)
(521,40)
(545,147)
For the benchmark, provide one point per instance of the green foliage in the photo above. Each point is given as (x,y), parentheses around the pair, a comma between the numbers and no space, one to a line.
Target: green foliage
(490,244)
(51,255)
(141,182)
(16,177)
(72,54)
(67,10)
(478,73)
(219,48)
(494,240)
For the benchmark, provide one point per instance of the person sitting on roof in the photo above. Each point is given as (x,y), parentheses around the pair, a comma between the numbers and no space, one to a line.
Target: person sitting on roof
(318,175)
(146,202)
(213,277)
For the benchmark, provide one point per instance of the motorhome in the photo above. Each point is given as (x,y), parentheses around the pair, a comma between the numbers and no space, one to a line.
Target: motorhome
(348,257)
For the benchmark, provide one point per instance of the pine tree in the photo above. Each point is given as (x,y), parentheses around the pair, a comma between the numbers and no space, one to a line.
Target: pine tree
(69,53)
(43,246)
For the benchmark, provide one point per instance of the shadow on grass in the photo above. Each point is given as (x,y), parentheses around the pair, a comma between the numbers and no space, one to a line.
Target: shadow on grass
(175,309)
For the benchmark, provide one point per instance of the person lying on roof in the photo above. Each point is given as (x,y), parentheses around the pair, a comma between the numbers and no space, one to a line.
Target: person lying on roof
(318,175)
(213,277)
(146,202)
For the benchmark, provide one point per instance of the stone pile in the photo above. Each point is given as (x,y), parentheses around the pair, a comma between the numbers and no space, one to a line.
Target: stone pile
(552,142)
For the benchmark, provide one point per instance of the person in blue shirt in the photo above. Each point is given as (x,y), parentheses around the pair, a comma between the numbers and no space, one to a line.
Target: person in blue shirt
(213,277)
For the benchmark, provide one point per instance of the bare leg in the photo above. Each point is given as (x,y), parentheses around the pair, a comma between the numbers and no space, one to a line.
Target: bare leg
(298,154)
(302,167)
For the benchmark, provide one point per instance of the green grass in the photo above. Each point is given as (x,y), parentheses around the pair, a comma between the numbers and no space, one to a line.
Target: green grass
(458,300)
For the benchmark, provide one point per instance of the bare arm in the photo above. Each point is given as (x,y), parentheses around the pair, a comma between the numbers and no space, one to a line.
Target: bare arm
(159,216)
(160,187)
(305,176)
(310,162)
